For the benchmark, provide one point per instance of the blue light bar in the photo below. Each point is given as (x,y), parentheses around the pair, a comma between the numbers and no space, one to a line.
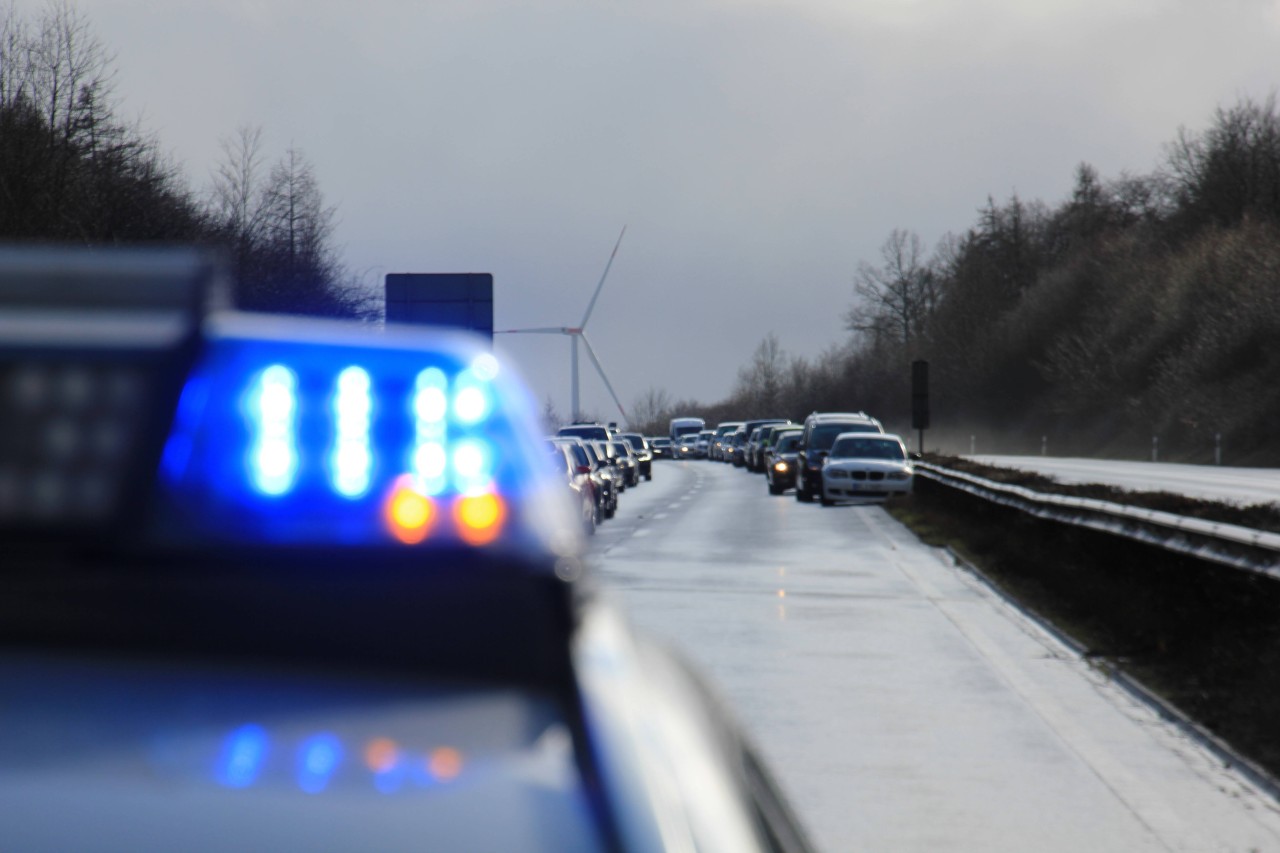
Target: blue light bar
(302,432)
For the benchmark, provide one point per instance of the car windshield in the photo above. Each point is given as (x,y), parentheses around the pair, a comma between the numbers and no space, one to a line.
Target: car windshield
(868,448)
(824,435)
(788,443)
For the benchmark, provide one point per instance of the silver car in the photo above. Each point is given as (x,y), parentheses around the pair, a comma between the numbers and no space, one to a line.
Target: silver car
(865,465)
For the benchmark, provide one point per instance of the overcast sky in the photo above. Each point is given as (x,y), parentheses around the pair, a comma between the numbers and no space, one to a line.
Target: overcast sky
(756,150)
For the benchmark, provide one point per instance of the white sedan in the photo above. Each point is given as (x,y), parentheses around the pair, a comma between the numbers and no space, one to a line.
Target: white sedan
(865,465)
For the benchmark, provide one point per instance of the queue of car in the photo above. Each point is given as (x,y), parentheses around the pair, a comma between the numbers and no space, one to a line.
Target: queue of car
(832,457)
(600,463)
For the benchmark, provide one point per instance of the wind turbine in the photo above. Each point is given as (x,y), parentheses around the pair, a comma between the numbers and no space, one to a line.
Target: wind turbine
(578,333)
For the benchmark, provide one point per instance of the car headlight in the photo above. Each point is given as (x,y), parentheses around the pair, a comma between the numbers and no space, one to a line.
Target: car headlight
(899,475)
(838,474)
(780,467)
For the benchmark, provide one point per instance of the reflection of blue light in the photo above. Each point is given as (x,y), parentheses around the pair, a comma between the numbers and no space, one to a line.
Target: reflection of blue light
(273,460)
(351,462)
(471,405)
(430,401)
(472,401)
(318,758)
(485,367)
(429,464)
(243,752)
(430,405)
(392,779)
(177,451)
(472,466)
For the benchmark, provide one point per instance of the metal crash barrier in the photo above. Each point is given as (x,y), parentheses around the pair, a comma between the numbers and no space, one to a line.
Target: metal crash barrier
(1228,544)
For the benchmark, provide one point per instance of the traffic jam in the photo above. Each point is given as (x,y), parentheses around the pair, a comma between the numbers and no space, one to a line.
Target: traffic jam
(831,457)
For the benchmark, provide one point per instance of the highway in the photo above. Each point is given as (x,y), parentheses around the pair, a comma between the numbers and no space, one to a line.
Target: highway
(1209,482)
(902,704)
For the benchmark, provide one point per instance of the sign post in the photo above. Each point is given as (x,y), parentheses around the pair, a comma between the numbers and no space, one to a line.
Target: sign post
(920,399)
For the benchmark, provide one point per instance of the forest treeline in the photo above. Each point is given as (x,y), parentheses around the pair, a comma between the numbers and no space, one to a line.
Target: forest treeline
(72,170)
(1141,307)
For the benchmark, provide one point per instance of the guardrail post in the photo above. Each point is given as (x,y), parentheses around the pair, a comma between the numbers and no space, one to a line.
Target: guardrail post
(973,443)
(1155,448)
(1044,445)
(1217,448)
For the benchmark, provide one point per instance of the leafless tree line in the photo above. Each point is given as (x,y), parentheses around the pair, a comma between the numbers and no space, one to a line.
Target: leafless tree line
(71,170)
(1141,305)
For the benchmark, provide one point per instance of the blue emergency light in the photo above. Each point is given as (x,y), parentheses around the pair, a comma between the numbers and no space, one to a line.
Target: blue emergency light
(304,432)
(134,406)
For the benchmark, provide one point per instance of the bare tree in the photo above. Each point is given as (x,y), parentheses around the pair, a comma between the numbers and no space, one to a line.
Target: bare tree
(298,225)
(895,298)
(549,418)
(650,411)
(71,73)
(760,382)
(237,198)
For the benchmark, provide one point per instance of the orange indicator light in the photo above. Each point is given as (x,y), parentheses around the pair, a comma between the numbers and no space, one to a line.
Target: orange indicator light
(381,755)
(409,513)
(479,518)
(445,763)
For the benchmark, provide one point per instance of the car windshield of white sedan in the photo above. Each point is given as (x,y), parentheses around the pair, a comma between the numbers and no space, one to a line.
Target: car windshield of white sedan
(868,448)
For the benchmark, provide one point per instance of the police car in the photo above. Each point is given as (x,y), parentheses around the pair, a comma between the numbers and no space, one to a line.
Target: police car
(279,584)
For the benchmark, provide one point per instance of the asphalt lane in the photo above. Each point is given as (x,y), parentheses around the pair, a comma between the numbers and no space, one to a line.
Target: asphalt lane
(903,705)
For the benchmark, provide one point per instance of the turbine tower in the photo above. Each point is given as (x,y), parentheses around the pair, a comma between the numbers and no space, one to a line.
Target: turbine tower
(578,333)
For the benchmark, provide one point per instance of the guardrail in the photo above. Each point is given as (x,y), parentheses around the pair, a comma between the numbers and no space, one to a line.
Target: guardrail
(1229,544)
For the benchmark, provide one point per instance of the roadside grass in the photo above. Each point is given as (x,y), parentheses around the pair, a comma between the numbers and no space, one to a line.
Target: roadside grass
(1203,636)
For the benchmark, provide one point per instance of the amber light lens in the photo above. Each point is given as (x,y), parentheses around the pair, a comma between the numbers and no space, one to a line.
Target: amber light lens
(480,518)
(409,514)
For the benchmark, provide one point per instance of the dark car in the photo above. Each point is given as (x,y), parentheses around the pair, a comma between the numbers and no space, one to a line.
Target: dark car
(582,491)
(591,432)
(608,475)
(759,443)
(661,446)
(227,634)
(644,453)
(627,461)
(780,460)
(820,431)
(743,435)
(717,448)
(604,472)
(617,462)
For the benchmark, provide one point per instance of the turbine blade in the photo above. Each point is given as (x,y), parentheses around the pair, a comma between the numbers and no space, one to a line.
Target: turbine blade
(592,355)
(547,330)
(592,304)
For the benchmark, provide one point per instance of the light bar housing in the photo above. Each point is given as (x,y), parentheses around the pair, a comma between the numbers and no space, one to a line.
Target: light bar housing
(314,433)
(94,347)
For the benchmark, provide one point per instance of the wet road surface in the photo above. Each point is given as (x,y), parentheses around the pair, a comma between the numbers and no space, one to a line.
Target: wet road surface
(902,704)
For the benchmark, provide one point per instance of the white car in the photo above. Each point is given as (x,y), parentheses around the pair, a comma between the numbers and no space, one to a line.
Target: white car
(865,465)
